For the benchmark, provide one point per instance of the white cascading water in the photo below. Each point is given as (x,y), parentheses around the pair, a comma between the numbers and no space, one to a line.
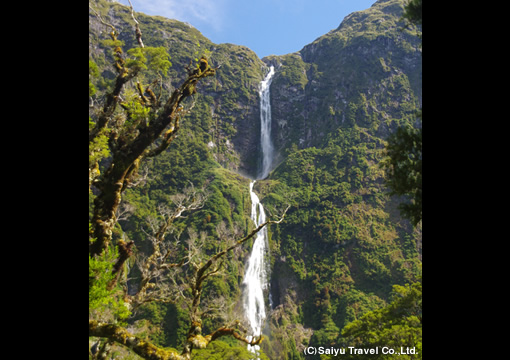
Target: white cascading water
(266,143)
(255,277)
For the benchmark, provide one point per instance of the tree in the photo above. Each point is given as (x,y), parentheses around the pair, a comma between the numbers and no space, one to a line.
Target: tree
(136,123)
(189,286)
(404,167)
(145,127)
(404,162)
(397,326)
(413,12)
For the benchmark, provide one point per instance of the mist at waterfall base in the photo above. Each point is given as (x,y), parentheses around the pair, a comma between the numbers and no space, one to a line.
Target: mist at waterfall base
(257,270)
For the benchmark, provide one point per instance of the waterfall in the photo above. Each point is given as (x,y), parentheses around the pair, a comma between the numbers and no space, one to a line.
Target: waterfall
(255,277)
(265,125)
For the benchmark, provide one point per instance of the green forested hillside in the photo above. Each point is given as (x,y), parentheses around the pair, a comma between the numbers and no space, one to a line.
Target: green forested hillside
(343,244)
(343,260)
(366,72)
(199,157)
(226,116)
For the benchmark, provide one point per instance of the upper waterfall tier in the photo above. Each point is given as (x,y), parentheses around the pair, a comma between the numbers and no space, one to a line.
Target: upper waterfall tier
(266,143)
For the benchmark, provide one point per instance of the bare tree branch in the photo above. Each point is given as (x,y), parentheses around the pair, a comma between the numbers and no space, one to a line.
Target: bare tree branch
(202,273)
(157,265)
(152,289)
(126,160)
(124,211)
(114,33)
(167,272)
(137,27)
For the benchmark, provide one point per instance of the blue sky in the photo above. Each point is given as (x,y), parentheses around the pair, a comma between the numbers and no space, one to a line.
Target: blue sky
(267,27)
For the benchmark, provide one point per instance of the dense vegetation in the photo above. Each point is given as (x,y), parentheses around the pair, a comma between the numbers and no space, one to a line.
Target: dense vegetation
(344,260)
(148,258)
(350,128)
(343,243)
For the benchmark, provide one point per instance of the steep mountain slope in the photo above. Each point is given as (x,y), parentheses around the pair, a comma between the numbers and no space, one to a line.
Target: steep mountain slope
(343,244)
(367,71)
(207,146)
(227,111)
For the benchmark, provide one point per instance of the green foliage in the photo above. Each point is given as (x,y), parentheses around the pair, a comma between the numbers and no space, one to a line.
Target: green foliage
(158,60)
(93,73)
(413,12)
(338,238)
(164,324)
(98,149)
(221,350)
(342,246)
(292,71)
(112,44)
(138,113)
(154,59)
(137,59)
(228,201)
(101,299)
(396,326)
(354,75)
(404,162)
(404,166)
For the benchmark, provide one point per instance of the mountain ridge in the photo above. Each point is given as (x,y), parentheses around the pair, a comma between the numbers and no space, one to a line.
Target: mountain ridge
(343,244)
(349,55)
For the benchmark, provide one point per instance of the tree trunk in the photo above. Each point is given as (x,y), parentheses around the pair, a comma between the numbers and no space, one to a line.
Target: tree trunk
(125,162)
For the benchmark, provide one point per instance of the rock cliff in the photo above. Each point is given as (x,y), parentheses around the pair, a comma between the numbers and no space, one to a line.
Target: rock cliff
(367,71)
(343,244)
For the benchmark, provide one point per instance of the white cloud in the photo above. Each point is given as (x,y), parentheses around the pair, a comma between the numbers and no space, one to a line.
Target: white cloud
(196,12)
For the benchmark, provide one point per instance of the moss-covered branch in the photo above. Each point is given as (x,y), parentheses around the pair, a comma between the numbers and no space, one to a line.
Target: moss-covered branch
(195,339)
(204,272)
(194,334)
(149,351)
(128,154)
(143,348)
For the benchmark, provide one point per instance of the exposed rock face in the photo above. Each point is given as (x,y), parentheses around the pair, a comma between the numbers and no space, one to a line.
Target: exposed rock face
(367,61)
(360,80)
(365,71)
(235,107)
(227,104)
(365,78)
